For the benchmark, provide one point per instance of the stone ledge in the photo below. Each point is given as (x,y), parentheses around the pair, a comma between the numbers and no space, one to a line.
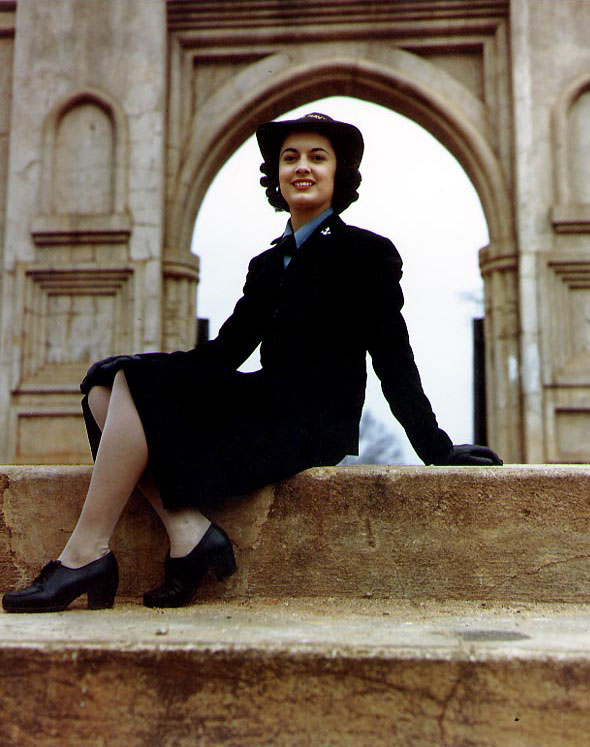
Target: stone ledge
(110,228)
(297,671)
(572,218)
(512,533)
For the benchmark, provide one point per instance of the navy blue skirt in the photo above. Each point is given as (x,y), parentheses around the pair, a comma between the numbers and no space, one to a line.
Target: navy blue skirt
(213,432)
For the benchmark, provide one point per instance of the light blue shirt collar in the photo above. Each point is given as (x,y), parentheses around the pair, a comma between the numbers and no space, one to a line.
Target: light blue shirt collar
(305,231)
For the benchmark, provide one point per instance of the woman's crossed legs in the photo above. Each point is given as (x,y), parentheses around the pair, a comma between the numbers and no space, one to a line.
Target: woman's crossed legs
(120,466)
(85,565)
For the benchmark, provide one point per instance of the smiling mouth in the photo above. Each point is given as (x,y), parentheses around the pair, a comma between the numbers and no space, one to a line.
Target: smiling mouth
(303,184)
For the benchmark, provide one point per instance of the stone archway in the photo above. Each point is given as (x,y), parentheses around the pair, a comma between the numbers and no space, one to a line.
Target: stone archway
(491,79)
(411,86)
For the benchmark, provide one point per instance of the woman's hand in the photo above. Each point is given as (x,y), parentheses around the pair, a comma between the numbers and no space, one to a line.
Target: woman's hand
(470,454)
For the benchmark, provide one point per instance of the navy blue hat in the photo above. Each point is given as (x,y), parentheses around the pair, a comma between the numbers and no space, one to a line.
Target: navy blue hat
(346,139)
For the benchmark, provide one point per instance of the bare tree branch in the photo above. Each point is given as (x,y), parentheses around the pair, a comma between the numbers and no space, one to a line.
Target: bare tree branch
(378,445)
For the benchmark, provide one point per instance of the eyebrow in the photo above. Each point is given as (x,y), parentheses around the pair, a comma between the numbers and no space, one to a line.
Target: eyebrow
(313,150)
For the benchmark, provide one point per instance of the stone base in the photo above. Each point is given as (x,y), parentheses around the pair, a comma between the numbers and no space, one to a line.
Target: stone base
(420,533)
(332,631)
(297,672)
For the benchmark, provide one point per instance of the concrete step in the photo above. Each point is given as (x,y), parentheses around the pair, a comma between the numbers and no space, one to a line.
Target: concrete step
(511,534)
(312,671)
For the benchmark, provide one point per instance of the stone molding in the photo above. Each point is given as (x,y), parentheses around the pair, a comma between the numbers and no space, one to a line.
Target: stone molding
(93,304)
(180,277)
(114,228)
(326,19)
(181,265)
(51,226)
(566,357)
(568,214)
(7,19)
(491,259)
(571,218)
(568,283)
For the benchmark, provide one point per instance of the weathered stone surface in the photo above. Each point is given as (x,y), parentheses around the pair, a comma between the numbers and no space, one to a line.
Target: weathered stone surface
(40,507)
(367,657)
(297,672)
(509,533)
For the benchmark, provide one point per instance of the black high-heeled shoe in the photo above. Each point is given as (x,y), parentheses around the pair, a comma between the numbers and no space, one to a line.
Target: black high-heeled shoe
(57,586)
(182,575)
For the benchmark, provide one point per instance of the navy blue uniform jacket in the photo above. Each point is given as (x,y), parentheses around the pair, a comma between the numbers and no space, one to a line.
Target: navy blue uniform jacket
(213,432)
(339,297)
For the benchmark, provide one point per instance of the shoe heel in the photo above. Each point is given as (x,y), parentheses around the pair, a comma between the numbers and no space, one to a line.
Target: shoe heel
(102,596)
(224,563)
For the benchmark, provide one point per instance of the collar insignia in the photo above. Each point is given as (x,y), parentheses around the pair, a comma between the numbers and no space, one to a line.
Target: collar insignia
(326,231)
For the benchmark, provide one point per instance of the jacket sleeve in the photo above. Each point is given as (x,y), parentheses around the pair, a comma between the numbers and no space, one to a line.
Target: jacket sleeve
(241,333)
(393,359)
(237,339)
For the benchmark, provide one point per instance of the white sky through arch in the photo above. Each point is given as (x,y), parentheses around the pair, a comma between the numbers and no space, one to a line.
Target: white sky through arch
(415,193)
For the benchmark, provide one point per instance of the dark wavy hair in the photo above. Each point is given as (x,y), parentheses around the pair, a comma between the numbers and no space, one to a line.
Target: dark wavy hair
(346,182)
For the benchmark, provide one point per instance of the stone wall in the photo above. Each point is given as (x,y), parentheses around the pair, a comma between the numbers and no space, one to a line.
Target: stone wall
(82,264)
(116,115)
(7,21)
(551,81)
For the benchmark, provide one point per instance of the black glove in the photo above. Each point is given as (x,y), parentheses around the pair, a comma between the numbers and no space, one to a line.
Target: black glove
(102,372)
(470,454)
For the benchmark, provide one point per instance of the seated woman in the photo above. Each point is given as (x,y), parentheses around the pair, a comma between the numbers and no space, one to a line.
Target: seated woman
(188,429)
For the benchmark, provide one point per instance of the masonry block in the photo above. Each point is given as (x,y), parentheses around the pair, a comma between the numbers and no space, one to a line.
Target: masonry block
(467,533)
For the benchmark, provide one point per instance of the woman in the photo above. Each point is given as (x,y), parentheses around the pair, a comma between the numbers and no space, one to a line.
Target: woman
(190,430)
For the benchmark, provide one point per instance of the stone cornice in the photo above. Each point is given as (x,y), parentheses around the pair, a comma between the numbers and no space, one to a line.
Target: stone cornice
(7,18)
(112,228)
(228,16)
(571,218)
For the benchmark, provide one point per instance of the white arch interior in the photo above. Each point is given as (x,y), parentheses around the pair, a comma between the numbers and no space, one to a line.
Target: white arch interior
(416,193)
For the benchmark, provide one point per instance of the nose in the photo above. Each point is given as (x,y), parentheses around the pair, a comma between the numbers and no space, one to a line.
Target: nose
(302,167)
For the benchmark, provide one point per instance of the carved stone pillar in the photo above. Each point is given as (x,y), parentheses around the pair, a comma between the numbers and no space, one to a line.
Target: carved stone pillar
(499,264)
(181,275)
(82,262)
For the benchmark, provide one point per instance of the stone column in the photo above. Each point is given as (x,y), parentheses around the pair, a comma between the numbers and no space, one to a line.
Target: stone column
(7,21)
(551,90)
(499,268)
(82,264)
(181,276)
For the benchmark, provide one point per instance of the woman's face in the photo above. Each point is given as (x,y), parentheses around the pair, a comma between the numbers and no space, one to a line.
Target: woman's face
(307,167)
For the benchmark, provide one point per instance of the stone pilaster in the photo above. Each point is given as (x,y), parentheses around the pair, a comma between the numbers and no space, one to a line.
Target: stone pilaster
(551,95)
(82,264)
(181,275)
(499,263)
